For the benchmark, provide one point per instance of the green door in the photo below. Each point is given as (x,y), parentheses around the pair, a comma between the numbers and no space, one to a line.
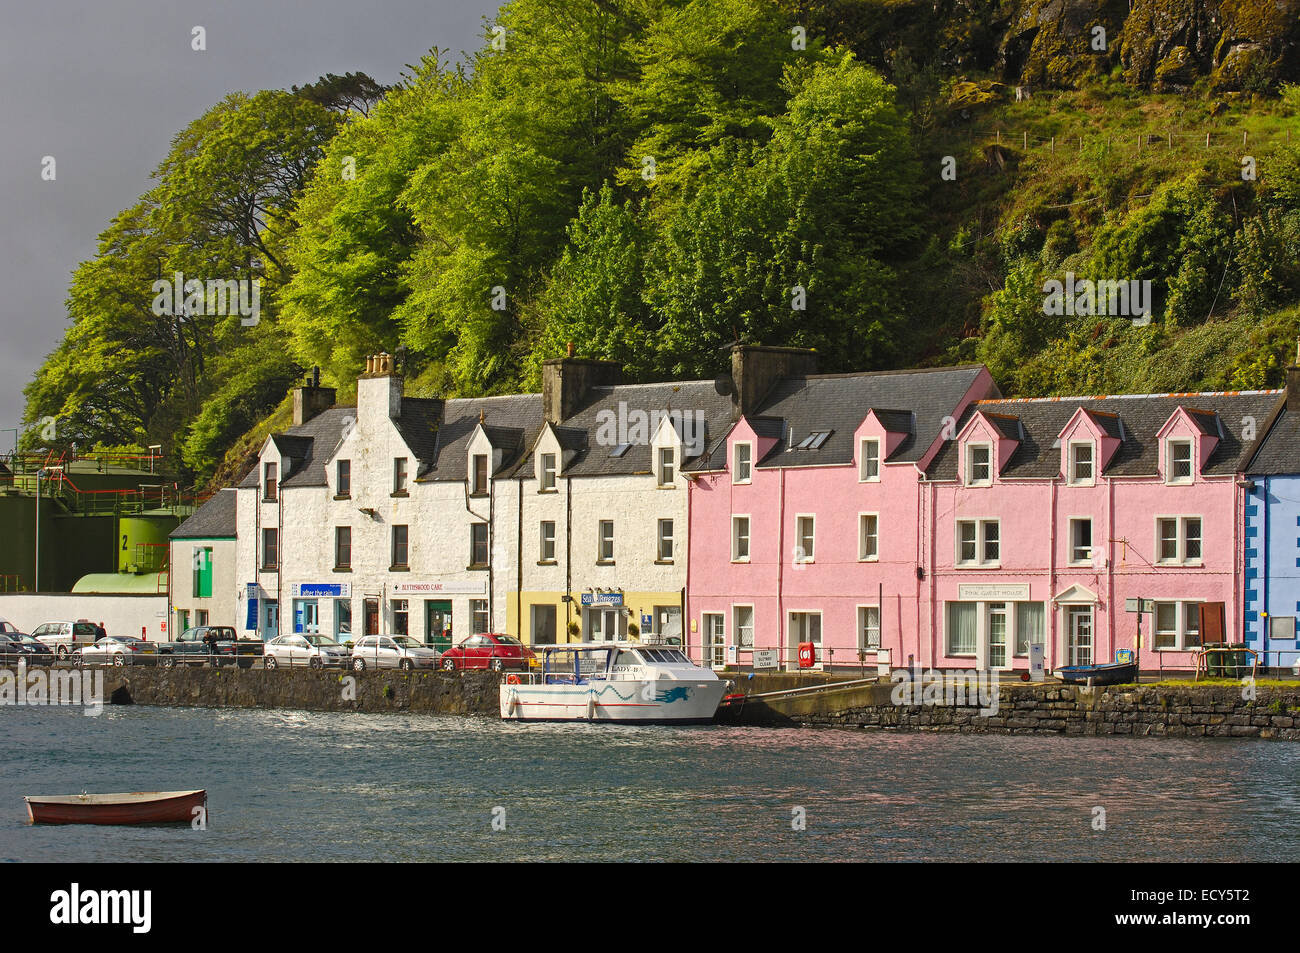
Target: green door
(437,623)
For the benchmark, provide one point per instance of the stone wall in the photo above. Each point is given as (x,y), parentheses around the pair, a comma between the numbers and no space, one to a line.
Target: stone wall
(1199,711)
(435,693)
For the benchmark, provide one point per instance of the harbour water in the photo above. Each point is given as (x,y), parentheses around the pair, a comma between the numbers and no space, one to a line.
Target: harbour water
(302,786)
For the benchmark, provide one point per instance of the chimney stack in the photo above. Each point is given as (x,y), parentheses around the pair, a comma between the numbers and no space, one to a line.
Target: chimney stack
(567,380)
(756,370)
(379,390)
(1293,384)
(311,399)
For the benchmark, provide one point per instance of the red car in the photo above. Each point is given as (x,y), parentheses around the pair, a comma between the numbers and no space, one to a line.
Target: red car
(490,650)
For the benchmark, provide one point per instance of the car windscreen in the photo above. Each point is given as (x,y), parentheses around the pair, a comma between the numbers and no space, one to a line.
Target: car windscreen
(406,642)
(319,640)
(83,628)
(508,640)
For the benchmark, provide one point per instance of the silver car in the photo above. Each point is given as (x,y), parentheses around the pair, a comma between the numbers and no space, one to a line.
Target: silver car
(314,651)
(118,650)
(392,651)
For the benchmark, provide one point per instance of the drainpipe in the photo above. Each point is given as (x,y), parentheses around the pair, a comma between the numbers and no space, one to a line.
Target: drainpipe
(686,617)
(1266,558)
(568,555)
(519,555)
(1049,664)
(780,564)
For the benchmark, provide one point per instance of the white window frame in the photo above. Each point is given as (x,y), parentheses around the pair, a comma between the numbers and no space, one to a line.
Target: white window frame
(735,538)
(661,467)
(1181,629)
(970,464)
(1170,477)
(1073,558)
(981,543)
(660,538)
(801,555)
(863,555)
(738,629)
(1072,463)
(737,463)
(864,627)
(546,478)
(601,557)
(865,474)
(542,541)
(1181,559)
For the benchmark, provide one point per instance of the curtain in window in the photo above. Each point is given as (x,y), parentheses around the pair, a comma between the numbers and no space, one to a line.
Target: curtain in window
(961,628)
(1030,626)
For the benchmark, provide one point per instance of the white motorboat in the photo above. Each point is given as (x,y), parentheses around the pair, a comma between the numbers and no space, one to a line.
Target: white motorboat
(613,681)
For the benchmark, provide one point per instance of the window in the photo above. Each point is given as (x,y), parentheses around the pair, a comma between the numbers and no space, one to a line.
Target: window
(666,466)
(979,467)
(813,441)
(1081,463)
(548,472)
(1177,626)
(478,616)
(805,531)
(1281,627)
(869,460)
(868,627)
(478,545)
(343,478)
(665,548)
(480,485)
(200,616)
(1178,540)
(961,619)
(868,536)
(343,547)
(744,628)
(740,539)
(202,572)
(546,547)
(401,617)
(399,475)
(342,618)
(1178,461)
(978,542)
(605,542)
(270,549)
(1081,541)
(742,470)
(269,476)
(399,547)
(1030,626)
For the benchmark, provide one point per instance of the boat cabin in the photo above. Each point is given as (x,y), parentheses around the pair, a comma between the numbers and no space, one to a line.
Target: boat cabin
(580,663)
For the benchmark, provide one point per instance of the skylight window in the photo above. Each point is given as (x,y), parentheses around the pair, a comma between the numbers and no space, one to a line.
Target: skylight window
(814,440)
(619,450)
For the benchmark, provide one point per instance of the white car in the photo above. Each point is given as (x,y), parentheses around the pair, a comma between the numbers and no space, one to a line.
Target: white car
(119,650)
(64,637)
(314,651)
(393,651)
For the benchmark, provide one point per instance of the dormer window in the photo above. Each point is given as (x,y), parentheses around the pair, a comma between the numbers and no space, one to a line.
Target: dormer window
(548,472)
(666,466)
(343,478)
(269,487)
(1178,461)
(869,460)
(979,464)
(479,484)
(399,476)
(1081,464)
(742,469)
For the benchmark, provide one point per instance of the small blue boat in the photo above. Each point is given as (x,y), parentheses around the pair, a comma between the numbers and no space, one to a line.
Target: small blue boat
(1114,673)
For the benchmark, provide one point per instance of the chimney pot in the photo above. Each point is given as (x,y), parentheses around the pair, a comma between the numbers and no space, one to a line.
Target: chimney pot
(569,349)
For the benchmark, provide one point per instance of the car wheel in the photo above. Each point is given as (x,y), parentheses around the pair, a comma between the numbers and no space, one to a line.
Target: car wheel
(449,665)
(270,661)
(77,660)
(119,660)
(358,665)
(498,665)
(167,661)
(315,662)
(63,651)
(406,665)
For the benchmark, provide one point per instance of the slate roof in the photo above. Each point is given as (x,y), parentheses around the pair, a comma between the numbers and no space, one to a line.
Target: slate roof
(1108,423)
(1278,452)
(1006,424)
(307,447)
(512,423)
(214,519)
(840,402)
(1141,418)
(418,426)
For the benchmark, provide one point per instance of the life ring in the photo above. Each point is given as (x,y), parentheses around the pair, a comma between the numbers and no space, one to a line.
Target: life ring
(512,679)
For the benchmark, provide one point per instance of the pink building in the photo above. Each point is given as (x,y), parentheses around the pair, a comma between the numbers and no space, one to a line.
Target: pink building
(1043,517)
(918,512)
(803,516)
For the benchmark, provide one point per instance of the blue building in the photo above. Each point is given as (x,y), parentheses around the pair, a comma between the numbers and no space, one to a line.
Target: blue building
(1271,537)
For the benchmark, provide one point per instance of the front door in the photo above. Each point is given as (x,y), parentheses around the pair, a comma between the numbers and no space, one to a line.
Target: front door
(715,651)
(668,622)
(372,617)
(804,627)
(998,635)
(543,630)
(1079,634)
(437,624)
(272,620)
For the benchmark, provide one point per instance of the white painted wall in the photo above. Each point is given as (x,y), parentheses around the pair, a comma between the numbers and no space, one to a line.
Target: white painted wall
(121,614)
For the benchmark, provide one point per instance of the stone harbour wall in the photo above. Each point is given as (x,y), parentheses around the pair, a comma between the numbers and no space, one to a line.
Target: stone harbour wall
(438,693)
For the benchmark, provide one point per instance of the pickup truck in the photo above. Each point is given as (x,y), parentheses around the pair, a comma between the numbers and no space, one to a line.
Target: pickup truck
(194,646)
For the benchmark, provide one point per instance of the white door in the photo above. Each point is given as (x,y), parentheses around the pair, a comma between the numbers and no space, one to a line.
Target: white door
(997,629)
(715,650)
(805,627)
(1079,633)
(272,620)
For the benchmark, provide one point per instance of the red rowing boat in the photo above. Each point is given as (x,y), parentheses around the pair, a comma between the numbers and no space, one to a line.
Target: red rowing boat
(139,807)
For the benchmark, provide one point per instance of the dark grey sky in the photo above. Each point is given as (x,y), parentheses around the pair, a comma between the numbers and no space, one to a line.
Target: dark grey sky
(103,85)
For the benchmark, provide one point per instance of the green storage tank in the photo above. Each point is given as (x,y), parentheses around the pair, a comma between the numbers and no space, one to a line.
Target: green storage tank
(142,542)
